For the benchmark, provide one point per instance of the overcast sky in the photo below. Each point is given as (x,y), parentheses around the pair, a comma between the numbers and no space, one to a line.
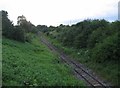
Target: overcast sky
(55,12)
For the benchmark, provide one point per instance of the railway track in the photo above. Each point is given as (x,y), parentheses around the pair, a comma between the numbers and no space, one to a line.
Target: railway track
(85,74)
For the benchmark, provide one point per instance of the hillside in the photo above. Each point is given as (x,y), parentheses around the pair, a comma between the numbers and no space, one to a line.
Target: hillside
(33,64)
(94,43)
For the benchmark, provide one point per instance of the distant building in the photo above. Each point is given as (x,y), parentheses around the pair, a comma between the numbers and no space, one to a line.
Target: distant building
(119,10)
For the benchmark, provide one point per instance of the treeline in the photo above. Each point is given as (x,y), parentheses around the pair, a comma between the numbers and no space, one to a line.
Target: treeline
(100,38)
(21,32)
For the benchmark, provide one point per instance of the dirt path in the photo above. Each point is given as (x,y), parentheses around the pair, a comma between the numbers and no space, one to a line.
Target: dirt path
(80,71)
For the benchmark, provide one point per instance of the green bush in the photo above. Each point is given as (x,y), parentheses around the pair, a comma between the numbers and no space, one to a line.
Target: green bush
(98,36)
(80,41)
(19,34)
(108,50)
(29,37)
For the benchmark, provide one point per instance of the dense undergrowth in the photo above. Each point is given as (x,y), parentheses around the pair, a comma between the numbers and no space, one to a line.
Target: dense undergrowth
(108,71)
(92,42)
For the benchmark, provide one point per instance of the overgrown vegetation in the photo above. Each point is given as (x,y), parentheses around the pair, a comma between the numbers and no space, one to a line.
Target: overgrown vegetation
(20,32)
(93,42)
(27,62)
(33,64)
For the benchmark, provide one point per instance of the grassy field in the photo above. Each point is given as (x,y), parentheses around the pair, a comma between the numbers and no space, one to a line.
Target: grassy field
(107,70)
(33,64)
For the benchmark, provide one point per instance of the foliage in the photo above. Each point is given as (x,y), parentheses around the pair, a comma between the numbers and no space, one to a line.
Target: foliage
(42,28)
(86,34)
(29,37)
(19,34)
(108,50)
(19,31)
(7,26)
(33,64)
(97,41)
(92,42)
(97,36)
(108,69)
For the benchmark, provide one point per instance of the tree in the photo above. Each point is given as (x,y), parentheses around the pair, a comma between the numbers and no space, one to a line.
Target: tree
(7,26)
(42,28)
(19,34)
(26,25)
(21,20)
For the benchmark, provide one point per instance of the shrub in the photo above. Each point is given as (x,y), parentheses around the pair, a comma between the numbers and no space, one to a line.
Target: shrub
(108,50)
(80,41)
(29,37)
(98,36)
(19,34)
